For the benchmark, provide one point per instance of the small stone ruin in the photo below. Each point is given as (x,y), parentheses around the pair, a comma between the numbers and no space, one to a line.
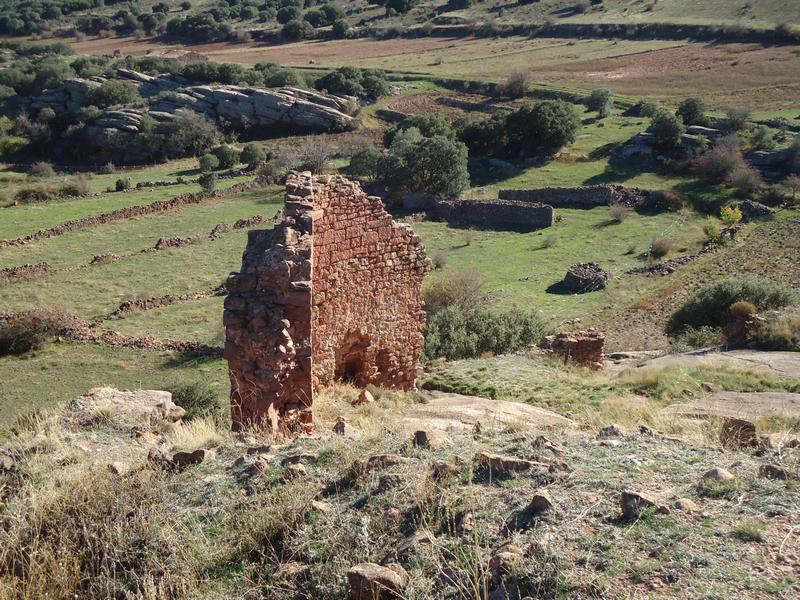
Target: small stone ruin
(332,293)
(584,348)
(585,277)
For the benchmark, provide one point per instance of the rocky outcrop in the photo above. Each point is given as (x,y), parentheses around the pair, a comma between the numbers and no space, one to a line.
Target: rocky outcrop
(165,95)
(292,107)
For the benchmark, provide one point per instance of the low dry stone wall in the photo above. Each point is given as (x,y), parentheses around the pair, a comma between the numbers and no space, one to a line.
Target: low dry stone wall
(331,293)
(26,271)
(130,212)
(505,214)
(581,197)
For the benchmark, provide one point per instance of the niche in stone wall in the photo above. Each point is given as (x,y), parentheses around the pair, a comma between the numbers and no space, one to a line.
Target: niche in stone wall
(351,359)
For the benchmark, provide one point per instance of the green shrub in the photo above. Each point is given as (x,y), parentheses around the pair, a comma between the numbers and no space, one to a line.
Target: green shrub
(32,195)
(462,289)
(434,165)
(340,28)
(122,184)
(428,125)
(694,339)
(516,85)
(197,398)
(780,334)
(717,164)
(667,130)
(76,187)
(228,156)
(253,155)
(207,181)
(710,306)
(542,127)
(730,215)
(600,101)
(364,164)
(712,232)
(208,163)
(693,112)
(661,246)
(296,30)
(454,333)
(30,330)
(352,81)
(113,92)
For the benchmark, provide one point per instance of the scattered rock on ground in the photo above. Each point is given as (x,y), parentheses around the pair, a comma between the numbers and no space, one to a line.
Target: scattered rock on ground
(775,472)
(445,410)
(502,465)
(719,475)
(340,427)
(181,460)
(294,471)
(365,397)
(610,431)
(738,433)
(541,502)
(633,503)
(430,440)
(504,560)
(369,581)
(779,441)
(6,461)
(687,505)
(419,538)
(382,461)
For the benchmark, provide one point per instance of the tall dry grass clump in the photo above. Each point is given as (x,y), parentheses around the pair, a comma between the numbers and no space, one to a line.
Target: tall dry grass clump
(97,536)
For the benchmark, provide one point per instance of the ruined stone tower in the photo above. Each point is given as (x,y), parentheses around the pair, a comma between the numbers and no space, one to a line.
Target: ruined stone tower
(331,293)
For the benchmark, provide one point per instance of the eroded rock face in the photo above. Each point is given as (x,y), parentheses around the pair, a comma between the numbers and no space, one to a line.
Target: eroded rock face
(332,293)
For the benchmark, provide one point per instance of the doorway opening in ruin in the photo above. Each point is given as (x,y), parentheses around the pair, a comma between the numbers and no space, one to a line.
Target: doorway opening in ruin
(351,359)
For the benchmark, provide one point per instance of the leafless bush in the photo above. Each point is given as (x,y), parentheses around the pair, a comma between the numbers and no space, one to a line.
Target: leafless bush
(737,117)
(715,165)
(30,330)
(745,180)
(517,84)
(618,212)
(661,246)
(41,169)
(315,155)
(461,289)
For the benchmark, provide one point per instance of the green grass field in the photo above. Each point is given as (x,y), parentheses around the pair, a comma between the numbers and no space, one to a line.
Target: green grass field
(519,269)
(63,371)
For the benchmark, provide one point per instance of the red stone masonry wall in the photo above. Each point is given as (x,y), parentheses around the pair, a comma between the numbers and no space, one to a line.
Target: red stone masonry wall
(332,293)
